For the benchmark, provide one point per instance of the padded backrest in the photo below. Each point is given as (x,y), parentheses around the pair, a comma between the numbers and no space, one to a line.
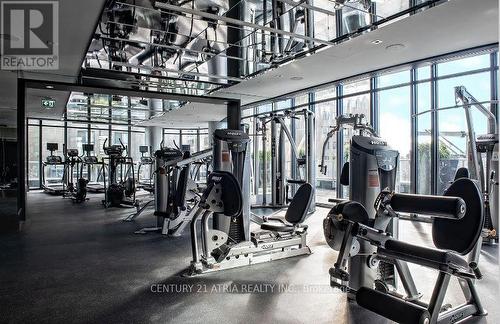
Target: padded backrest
(462,173)
(297,210)
(344,174)
(180,191)
(230,195)
(461,235)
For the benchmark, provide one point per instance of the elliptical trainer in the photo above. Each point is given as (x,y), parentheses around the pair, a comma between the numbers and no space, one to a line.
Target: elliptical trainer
(77,192)
(90,162)
(120,185)
(145,163)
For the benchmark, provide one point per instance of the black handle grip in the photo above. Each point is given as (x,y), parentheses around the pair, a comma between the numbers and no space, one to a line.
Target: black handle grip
(440,206)
(477,272)
(391,307)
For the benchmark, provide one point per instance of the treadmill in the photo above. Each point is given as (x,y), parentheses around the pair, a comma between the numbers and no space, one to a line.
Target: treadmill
(91,161)
(52,162)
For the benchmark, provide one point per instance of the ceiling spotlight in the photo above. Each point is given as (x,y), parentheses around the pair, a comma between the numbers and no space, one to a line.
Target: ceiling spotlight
(296,78)
(49,87)
(377,41)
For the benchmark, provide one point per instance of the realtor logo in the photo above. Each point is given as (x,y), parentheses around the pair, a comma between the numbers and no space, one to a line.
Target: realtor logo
(29,35)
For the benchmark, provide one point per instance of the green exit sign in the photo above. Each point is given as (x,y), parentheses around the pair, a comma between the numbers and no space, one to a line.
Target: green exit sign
(48,103)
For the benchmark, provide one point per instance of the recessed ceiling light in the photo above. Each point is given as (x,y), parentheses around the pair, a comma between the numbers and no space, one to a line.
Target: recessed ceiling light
(296,78)
(395,47)
(377,41)
(49,87)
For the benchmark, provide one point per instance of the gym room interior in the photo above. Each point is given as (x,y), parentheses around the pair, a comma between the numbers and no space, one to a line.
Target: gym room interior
(246,161)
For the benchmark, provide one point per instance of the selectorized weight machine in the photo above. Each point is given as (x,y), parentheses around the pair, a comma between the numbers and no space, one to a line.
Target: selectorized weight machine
(284,182)
(230,243)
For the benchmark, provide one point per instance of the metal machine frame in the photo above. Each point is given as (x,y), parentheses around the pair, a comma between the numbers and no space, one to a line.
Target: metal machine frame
(354,229)
(53,160)
(280,187)
(116,159)
(353,120)
(90,162)
(175,223)
(145,161)
(488,144)
(372,167)
(230,243)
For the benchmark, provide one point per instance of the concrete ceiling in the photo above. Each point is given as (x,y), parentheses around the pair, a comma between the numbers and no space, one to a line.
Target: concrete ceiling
(189,116)
(34,108)
(452,26)
(77,21)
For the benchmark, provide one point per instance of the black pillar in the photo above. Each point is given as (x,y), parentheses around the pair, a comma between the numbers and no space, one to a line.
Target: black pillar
(234,36)
(234,115)
(21,151)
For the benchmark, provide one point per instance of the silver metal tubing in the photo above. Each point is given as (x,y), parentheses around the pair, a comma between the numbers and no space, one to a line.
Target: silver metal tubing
(239,22)
(194,236)
(204,230)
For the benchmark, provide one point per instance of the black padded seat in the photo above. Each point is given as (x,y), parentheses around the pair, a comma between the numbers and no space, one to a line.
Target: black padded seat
(438,259)
(182,182)
(296,212)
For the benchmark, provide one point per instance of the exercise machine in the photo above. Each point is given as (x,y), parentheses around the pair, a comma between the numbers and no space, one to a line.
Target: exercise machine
(457,222)
(77,191)
(230,243)
(356,121)
(90,162)
(120,186)
(372,167)
(51,164)
(485,172)
(302,170)
(176,194)
(146,162)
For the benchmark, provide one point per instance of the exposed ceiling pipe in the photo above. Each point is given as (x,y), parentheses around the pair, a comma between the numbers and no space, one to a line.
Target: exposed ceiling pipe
(142,56)
(228,20)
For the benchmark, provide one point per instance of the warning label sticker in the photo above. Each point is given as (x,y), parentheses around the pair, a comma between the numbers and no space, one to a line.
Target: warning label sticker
(373,179)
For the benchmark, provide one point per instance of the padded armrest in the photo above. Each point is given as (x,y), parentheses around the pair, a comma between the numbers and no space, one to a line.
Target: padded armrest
(296,181)
(337,200)
(447,261)
(274,219)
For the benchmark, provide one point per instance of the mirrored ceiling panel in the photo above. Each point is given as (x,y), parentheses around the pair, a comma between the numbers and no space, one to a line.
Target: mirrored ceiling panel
(197,46)
(100,108)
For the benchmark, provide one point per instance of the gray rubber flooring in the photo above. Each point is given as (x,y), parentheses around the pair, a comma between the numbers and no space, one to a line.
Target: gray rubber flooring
(82,264)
